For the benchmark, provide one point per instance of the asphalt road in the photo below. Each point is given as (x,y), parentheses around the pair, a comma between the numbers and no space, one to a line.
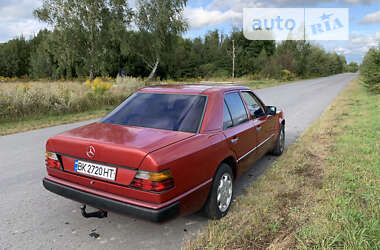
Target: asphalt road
(33,218)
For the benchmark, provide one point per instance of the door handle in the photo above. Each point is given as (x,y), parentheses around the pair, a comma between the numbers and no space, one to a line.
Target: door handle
(258,128)
(234,140)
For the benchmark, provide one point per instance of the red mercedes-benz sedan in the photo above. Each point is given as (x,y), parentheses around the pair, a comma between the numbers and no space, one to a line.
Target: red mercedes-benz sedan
(165,151)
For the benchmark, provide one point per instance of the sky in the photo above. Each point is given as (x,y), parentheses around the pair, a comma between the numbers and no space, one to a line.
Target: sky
(16,19)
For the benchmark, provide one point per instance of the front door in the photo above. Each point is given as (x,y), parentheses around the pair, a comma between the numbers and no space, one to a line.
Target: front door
(263,123)
(239,130)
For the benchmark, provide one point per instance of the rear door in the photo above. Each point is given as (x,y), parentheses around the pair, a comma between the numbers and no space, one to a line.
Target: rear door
(239,130)
(263,123)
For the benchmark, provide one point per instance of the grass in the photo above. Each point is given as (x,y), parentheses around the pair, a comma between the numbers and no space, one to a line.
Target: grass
(30,105)
(19,101)
(32,123)
(260,84)
(26,105)
(323,193)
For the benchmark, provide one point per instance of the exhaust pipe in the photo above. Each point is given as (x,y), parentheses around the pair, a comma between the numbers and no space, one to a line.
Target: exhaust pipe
(98,214)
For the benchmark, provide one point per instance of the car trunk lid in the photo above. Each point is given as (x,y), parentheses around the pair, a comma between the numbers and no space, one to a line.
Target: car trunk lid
(111,145)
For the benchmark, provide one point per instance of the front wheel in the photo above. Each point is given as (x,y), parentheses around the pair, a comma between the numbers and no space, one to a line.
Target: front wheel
(220,197)
(280,144)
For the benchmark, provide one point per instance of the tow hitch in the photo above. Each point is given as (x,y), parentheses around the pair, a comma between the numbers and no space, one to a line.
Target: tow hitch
(98,214)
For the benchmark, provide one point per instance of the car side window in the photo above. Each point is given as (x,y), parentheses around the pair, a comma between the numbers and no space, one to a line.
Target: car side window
(236,107)
(254,107)
(227,120)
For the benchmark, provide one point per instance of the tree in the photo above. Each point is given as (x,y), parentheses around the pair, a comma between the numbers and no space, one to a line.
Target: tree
(287,55)
(261,61)
(85,29)
(14,57)
(42,61)
(161,21)
(303,56)
(352,67)
(370,70)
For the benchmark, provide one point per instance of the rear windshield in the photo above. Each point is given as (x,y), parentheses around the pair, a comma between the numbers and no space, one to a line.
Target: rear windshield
(162,111)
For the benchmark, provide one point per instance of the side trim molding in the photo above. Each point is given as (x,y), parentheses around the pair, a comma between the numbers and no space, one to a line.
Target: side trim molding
(250,151)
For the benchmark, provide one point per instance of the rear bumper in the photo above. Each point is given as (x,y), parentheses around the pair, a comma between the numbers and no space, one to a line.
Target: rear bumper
(111,205)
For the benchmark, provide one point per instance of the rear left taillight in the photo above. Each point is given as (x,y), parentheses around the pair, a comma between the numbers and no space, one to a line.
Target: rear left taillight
(153,181)
(52,161)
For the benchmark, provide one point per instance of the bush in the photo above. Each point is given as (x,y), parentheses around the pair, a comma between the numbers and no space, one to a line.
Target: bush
(254,77)
(221,73)
(352,67)
(370,70)
(98,86)
(286,75)
(128,84)
(207,70)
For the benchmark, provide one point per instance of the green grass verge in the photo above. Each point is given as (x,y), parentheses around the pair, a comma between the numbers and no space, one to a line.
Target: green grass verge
(37,122)
(323,193)
(265,84)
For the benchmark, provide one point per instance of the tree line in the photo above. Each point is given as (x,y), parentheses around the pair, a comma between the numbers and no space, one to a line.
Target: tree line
(370,70)
(107,38)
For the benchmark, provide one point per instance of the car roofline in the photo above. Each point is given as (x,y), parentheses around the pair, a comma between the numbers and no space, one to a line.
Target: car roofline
(190,88)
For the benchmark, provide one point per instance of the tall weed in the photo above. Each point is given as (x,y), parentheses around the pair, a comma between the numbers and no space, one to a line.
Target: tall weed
(34,99)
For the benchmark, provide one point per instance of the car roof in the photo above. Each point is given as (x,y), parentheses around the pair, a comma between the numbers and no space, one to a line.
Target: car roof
(191,88)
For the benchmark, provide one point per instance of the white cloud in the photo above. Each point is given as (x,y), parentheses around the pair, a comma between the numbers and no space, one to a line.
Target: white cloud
(14,10)
(200,17)
(356,48)
(371,18)
(365,40)
(343,51)
(23,27)
(238,5)
(16,19)
(26,27)
(358,45)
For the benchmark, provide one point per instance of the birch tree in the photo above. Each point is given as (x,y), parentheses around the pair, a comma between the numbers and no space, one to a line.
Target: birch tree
(86,27)
(161,21)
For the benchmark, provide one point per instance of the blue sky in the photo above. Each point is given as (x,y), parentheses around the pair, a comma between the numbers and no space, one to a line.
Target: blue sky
(225,14)
(16,19)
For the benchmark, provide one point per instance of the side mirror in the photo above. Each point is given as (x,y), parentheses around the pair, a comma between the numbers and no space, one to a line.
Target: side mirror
(257,113)
(270,110)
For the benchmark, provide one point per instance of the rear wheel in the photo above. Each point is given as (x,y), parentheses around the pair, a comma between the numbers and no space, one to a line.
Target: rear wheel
(220,197)
(280,144)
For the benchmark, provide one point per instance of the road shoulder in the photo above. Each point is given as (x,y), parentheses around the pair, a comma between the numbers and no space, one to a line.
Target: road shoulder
(321,193)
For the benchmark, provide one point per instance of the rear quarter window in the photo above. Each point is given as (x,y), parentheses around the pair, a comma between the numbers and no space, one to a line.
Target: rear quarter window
(236,107)
(227,120)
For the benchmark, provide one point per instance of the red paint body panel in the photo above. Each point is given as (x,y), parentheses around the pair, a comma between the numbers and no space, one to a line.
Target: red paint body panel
(191,158)
(113,142)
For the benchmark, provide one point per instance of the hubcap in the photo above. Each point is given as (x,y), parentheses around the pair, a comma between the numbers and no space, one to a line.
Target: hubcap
(224,192)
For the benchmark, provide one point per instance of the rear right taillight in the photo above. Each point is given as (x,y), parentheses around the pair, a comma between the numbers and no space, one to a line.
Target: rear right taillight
(153,181)
(52,161)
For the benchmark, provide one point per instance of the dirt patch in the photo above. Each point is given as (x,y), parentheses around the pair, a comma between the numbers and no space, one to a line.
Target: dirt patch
(311,168)
(313,174)
(287,200)
(284,241)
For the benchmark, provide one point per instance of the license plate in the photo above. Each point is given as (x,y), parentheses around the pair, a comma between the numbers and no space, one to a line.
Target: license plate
(96,170)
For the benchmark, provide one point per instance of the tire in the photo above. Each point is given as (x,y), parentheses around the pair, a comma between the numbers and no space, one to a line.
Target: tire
(221,193)
(280,143)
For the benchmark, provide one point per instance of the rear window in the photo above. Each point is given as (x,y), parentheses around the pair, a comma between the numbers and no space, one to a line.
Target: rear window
(162,111)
